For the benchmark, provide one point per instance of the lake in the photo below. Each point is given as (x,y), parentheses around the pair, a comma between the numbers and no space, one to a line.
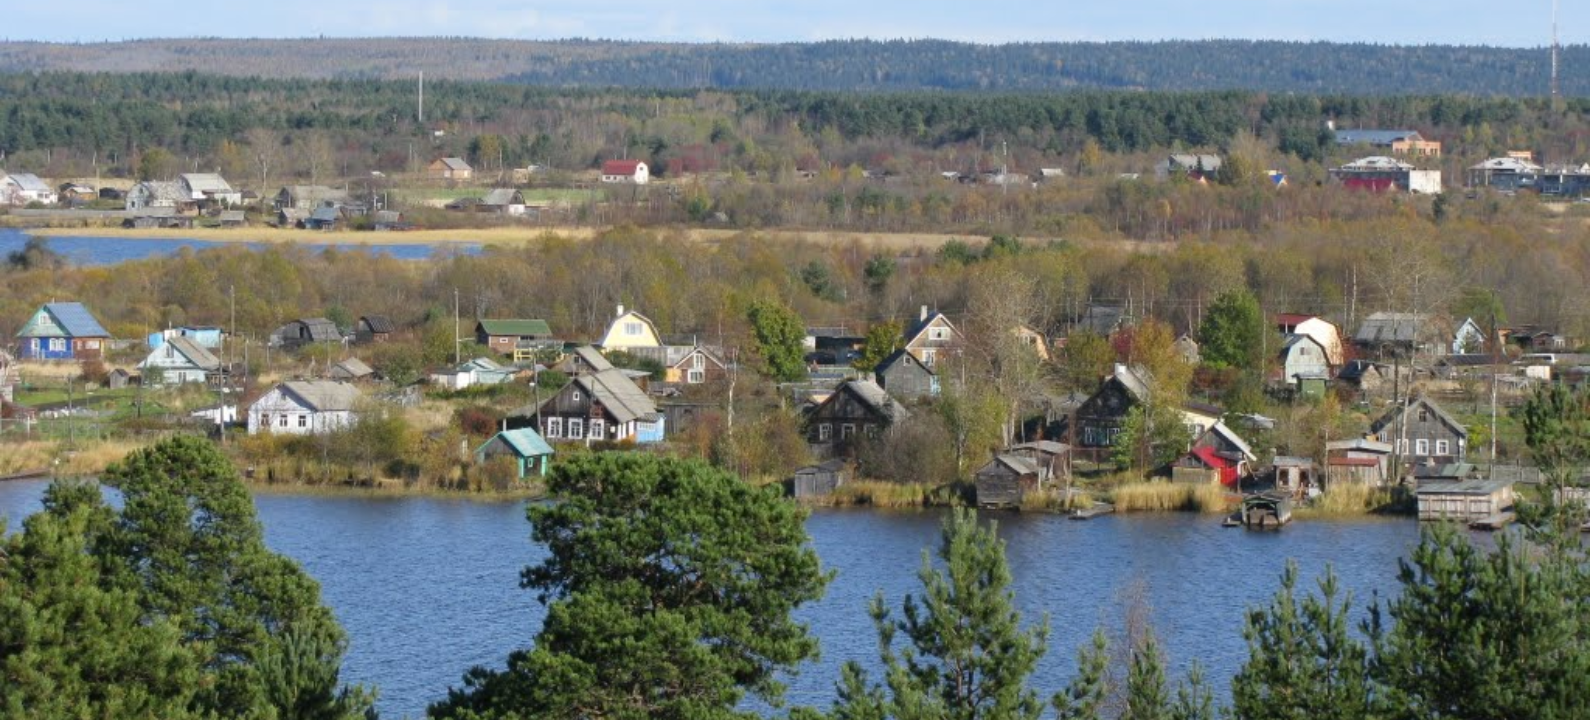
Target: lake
(428,587)
(109,251)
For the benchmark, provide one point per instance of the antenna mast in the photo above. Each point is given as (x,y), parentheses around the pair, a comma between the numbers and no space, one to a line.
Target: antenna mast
(1556,90)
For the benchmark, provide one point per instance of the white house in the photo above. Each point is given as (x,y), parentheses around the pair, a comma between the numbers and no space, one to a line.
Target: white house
(179,360)
(210,188)
(24,188)
(1304,357)
(631,330)
(304,407)
(633,172)
(1323,331)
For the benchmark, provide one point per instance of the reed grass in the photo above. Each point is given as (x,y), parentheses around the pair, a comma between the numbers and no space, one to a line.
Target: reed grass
(881,494)
(86,459)
(1347,499)
(1171,497)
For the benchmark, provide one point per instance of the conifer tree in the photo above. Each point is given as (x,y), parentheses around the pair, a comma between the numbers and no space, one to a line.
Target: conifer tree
(1304,662)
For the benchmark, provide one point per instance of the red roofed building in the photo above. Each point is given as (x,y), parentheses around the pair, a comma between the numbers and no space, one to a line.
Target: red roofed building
(1208,460)
(633,172)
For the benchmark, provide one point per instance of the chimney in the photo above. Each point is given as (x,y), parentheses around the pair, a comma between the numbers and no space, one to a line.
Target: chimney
(923,316)
(620,310)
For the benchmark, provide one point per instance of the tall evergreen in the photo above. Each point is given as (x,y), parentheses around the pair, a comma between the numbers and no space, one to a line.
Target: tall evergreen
(1304,661)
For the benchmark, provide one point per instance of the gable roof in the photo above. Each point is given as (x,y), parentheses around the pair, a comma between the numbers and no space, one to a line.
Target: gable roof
(921,326)
(616,392)
(163,193)
(1391,327)
(74,321)
(1102,319)
(320,329)
(206,183)
(524,441)
(1021,464)
(514,327)
(874,397)
(353,367)
(28,182)
(195,353)
(1211,458)
(1376,162)
(453,163)
(1232,437)
(1189,161)
(621,167)
(1507,164)
(323,395)
(901,356)
(1392,415)
(593,357)
(1297,339)
(501,197)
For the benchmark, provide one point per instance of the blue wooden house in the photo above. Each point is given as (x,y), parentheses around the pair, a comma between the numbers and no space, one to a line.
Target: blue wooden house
(525,445)
(62,331)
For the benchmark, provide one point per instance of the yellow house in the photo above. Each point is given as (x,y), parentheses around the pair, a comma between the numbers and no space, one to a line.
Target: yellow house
(631,330)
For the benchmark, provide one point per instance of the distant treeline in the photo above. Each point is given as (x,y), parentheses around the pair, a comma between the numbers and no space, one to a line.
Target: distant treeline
(847,65)
(192,113)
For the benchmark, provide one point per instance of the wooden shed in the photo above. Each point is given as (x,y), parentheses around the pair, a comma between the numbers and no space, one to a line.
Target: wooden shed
(820,480)
(1005,481)
(1465,500)
(525,445)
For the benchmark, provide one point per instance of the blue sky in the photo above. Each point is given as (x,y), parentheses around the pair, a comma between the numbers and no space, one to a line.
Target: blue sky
(1525,23)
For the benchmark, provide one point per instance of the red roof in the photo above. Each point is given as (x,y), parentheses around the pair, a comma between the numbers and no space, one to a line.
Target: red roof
(1293,319)
(620,167)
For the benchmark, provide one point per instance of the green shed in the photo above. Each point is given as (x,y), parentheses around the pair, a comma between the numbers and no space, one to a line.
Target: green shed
(525,445)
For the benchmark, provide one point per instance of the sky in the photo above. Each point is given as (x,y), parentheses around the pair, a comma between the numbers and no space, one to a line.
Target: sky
(1522,23)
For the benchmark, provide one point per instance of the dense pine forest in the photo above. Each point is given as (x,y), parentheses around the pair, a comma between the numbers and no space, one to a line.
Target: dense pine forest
(1269,66)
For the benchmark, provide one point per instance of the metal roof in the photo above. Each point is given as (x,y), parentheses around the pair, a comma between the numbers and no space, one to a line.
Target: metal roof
(353,367)
(1022,465)
(378,323)
(323,395)
(28,182)
(870,394)
(1391,327)
(1507,164)
(516,328)
(1391,416)
(203,183)
(1377,162)
(501,197)
(195,353)
(526,442)
(454,163)
(616,392)
(1379,138)
(1462,487)
(74,320)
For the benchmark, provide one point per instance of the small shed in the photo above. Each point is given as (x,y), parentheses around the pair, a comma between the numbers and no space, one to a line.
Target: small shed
(119,379)
(1293,475)
(1465,500)
(233,219)
(1268,510)
(352,369)
(1005,481)
(820,480)
(524,445)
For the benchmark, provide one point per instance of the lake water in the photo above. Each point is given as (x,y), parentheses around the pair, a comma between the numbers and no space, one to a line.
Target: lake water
(428,587)
(109,251)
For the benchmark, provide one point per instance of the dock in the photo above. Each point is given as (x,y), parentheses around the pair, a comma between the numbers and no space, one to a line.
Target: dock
(1495,521)
(1088,513)
(27,474)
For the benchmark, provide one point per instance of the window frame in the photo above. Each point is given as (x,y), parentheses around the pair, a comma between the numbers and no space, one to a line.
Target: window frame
(554,427)
(575,429)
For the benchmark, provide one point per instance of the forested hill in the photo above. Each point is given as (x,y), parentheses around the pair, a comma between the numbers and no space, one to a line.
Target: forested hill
(1270,66)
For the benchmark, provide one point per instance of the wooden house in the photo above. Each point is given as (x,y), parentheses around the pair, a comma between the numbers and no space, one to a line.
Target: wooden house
(1463,500)
(1006,480)
(530,451)
(932,338)
(602,406)
(502,201)
(1302,359)
(180,360)
(159,194)
(630,330)
(479,371)
(1188,349)
(309,197)
(856,409)
(373,329)
(1325,332)
(1035,340)
(62,331)
(1422,433)
(325,218)
(820,480)
(686,364)
(209,190)
(233,219)
(504,335)
(451,169)
(631,172)
(906,377)
(304,407)
(1102,320)
(1098,419)
(1218,454)
(305,331)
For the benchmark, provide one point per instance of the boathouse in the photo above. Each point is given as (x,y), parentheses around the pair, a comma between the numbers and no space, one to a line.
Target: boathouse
(1464,500)
(1005,481)
(820,480)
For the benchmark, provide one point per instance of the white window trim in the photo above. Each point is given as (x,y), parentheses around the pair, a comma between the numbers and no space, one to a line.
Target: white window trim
(1443,447)
(576,429)
(825,432)
(696,377)
(555,427)
(598,429)
(1421,447)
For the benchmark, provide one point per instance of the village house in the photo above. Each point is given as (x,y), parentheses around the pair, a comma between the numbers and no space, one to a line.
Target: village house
(1504,174)
(304,407)
(479,371)
(1034,340)
(179,360)
(305,331)
(1102,320)
(855,409)
(209,190)
(903,376)
(1422,433)
(504,336)
(1218,454)
(1305,364)
(1384,334)
(630,330)
(530,451)
(1325,332)
(75,194)
(166,195)
(233,219)
(1381,173)
(932,337)
(687,364)
(325,218)
(25,188)
(1006,480)
(1099,418)
(601,406)
(208,337)
(308,197)
(373,329)
(451,169)
(502,201)
(1531,338)
(1198,168)
(631,172)
(832,345)
(1399,142)
(62,331)
(583,360)
(1188,349)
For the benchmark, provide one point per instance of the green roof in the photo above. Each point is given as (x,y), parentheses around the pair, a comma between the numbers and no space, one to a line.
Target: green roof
(526,441)
(519,328)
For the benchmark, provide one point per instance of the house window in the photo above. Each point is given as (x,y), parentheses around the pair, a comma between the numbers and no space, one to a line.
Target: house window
(303,421)
(847,431)
(938,333)
(265,420)
(698,361)
(576,429)
(91,344)
(576,396)
(696,377)
(1443,447)
(825,432)
(57,344)
(1421,447)
(928,357)
(554,427)
(632,328)
(284,421)
(1424,415)
(598,429)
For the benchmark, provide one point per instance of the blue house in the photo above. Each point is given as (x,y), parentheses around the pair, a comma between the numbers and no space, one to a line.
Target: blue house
(62,331)
(524,445)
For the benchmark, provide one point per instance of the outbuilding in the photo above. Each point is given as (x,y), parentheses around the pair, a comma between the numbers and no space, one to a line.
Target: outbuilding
(820,480)
(530,451)
(1465,500)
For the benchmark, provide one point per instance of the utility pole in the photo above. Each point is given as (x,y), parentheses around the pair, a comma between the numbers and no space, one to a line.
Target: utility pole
(457,338)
